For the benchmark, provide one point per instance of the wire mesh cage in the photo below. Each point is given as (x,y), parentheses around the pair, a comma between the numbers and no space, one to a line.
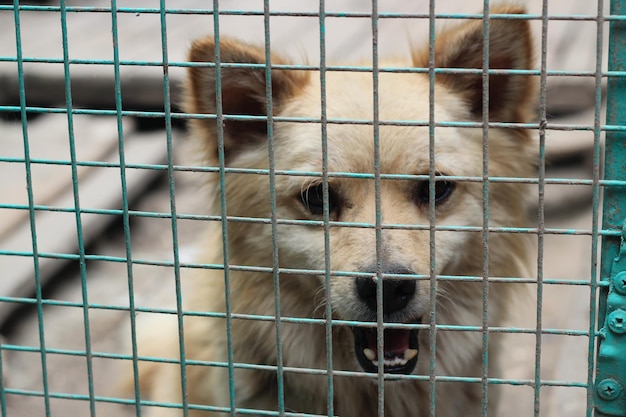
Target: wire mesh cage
(312,208)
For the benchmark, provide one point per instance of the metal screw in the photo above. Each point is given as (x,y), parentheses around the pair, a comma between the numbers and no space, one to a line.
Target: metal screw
(617,321)
(609,389)
(619,283)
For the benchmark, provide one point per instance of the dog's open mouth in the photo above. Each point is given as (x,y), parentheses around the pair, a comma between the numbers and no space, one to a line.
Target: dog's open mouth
(400,348)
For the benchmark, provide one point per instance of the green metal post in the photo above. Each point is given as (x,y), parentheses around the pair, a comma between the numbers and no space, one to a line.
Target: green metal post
(610,396)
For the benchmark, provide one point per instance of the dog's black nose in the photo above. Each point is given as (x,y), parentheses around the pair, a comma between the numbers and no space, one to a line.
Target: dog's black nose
(396,292)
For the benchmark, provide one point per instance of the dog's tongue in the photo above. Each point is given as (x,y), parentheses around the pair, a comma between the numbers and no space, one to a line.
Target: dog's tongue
(396,342)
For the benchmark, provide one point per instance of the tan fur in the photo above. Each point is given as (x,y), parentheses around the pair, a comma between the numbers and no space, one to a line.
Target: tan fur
(403,150)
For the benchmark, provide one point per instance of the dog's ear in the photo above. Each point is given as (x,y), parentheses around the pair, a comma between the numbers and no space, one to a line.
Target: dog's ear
(511,97)
(243,92)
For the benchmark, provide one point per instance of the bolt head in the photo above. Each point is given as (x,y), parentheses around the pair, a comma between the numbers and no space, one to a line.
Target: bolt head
(609,389)
(619,283)
(617,321)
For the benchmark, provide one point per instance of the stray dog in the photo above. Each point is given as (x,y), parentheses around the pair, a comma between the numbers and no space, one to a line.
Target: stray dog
(310,209)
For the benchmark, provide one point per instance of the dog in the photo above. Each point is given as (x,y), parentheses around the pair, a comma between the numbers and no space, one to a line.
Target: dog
(325,251)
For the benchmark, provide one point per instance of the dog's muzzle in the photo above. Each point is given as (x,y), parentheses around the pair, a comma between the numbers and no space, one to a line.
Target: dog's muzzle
(400,346)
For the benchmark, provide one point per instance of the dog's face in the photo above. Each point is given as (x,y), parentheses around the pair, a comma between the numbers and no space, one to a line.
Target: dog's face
(403,150)
(353,148)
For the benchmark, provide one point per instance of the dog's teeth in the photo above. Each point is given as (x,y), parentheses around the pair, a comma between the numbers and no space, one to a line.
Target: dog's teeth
(369,354)
(391,362)
(395,362)
(410,354)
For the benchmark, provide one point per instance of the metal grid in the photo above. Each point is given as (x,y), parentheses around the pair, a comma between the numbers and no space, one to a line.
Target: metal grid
(543,126)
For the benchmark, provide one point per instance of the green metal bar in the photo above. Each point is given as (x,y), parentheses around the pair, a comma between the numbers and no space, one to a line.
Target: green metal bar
(609,396)
(485,210)
(543,122)
(328,310)
(257,171)
(167,105)
(446,327)
(78,214)
(593,282)
(395,226)
(305,67)
(31,211)
(286,13)
(432,366)
(254,171)
(351,374)
(223,207)
(310,371)
(380,333)
(309,67)
(286,271)
(184,116)
(269,108)
(125,208)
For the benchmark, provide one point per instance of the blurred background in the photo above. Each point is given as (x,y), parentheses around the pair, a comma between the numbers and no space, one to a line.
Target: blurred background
(35,75)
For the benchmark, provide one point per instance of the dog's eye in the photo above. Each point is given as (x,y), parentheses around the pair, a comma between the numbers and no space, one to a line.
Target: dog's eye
(443,189)
(313,199)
